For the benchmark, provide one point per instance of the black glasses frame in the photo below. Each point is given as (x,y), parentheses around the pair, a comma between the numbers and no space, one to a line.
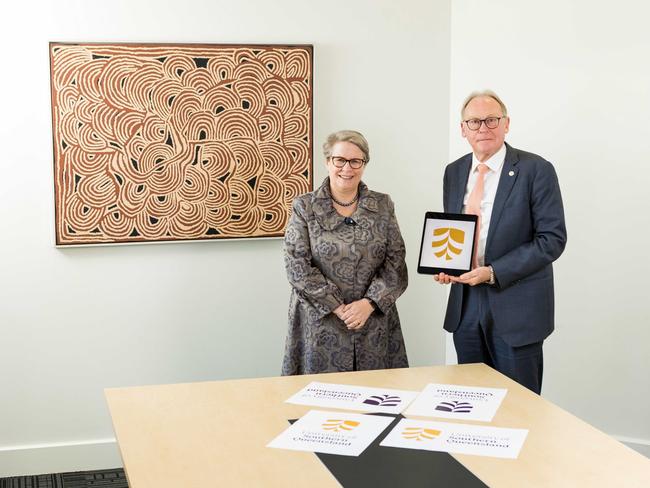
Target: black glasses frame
(355,163)
(484,121)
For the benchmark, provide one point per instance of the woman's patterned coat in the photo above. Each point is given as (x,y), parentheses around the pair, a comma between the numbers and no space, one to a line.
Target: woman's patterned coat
(328,263)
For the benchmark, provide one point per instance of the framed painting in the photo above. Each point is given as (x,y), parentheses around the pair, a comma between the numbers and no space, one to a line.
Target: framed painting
(178,142)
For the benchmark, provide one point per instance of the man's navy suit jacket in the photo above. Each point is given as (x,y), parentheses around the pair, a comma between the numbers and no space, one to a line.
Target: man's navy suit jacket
(527,233)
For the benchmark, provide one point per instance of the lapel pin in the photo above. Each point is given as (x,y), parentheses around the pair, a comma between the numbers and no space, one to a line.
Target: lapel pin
(512,173)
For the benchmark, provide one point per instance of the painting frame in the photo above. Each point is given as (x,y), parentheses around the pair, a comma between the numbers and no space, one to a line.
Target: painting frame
(218,152)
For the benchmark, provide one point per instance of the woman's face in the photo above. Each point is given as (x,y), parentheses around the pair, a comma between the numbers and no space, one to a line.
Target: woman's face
(345,179)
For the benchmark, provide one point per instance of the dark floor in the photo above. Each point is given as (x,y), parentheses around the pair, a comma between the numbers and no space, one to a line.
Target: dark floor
(105,478)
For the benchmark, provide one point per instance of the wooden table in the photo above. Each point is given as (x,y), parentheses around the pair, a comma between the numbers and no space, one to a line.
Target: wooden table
(214,434)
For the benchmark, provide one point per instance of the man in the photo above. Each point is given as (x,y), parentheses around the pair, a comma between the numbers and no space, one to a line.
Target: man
(502,310)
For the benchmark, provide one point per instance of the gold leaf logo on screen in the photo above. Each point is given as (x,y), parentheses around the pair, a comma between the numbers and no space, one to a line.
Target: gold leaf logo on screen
(340,425)
(448,242)
(420,434)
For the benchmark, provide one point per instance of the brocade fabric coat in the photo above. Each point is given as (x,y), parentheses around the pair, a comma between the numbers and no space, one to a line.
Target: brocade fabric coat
(328,263)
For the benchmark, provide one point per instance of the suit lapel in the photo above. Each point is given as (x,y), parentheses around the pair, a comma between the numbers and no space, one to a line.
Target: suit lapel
(323,209)
(506,182)
(462,175)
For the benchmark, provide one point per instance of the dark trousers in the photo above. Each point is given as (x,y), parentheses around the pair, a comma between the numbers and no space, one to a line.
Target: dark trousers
(476,342)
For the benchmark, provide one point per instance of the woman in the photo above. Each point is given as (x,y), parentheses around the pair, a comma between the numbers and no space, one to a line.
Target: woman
(344,256)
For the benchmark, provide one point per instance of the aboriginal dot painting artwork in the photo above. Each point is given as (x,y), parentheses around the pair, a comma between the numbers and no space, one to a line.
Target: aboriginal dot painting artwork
(161,142)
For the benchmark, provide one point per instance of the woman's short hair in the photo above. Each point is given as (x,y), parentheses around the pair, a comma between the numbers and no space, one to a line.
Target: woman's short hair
(351,136)
(483,93)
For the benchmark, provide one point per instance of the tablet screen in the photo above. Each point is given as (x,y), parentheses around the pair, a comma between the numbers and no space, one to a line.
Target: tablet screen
(447,243)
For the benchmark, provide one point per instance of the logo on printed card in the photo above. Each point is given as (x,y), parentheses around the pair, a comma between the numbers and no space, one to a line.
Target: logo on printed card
(383,400)
(455,406)
(340,425)
(420,434)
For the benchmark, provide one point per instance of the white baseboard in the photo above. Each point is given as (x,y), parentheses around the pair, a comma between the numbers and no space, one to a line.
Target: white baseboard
(59,458)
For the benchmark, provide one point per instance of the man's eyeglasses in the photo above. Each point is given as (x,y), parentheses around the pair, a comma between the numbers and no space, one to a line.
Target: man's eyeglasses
(490,123)
(354,163)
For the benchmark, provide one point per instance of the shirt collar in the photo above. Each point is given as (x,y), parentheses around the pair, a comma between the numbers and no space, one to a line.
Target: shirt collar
(494,163)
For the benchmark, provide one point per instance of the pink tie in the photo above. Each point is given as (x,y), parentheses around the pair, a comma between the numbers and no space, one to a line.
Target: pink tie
(473,206)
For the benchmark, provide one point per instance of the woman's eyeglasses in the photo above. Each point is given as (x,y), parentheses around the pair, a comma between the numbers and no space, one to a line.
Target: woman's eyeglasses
(355,163)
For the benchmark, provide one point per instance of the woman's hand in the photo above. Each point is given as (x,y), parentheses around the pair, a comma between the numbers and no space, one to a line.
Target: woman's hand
(338,311)
(356,314)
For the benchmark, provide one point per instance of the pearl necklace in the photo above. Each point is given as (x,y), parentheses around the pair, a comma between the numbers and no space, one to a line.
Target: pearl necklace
(345,204)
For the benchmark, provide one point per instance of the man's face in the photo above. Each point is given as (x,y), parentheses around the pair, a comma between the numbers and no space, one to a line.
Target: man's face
(485,142)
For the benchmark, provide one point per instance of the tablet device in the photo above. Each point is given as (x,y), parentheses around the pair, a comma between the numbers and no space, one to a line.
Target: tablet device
(447,243)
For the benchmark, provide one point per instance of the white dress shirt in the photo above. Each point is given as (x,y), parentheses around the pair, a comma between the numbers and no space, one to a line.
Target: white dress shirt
(495,163)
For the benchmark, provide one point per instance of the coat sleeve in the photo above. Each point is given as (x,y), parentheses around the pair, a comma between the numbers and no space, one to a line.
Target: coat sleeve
(307,280)
(391,278)
(445,190)
(549,232)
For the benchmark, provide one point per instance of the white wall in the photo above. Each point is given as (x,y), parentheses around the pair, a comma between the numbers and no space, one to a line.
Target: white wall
(576,78)
(74,321)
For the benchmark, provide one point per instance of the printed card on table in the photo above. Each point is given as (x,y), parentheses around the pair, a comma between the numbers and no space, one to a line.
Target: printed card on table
(347,434)
(456,438)
(365,399)
(457,402)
